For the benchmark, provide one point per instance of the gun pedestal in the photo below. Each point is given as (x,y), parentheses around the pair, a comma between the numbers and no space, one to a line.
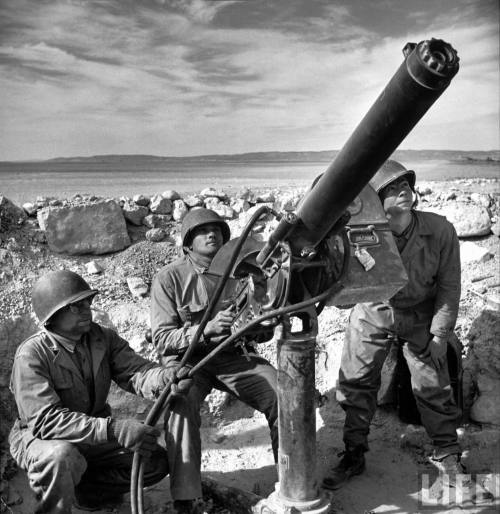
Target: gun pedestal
(297,490)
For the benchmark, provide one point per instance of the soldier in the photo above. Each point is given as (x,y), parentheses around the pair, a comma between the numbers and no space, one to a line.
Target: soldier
(65,437)
(421,318)
(179,297)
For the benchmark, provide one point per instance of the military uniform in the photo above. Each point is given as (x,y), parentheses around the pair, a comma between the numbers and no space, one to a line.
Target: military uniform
(179,297)
(61,435)
(427,306)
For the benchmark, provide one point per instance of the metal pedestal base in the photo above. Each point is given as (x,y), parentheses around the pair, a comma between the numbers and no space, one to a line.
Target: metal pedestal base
(275,504)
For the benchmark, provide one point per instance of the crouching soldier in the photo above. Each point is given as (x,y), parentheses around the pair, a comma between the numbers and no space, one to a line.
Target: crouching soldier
(66,439)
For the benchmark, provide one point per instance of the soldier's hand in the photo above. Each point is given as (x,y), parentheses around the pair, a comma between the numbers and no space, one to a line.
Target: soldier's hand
(436,352)
(179,378)
(134,435)
(221,323)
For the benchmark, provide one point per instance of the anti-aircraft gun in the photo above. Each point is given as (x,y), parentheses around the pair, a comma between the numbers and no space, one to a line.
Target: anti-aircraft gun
(336,249)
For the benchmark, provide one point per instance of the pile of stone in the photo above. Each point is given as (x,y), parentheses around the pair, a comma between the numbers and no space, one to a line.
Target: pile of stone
(93,225)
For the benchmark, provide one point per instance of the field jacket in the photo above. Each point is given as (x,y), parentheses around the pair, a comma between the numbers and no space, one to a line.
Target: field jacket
(180,294)
(52,397)
(431,297)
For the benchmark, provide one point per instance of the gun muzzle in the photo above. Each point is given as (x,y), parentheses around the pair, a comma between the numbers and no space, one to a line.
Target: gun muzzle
(425,73)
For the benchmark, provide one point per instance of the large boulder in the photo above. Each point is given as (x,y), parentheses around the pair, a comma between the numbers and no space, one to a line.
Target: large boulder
(482,369)
(94,228)
(470,220)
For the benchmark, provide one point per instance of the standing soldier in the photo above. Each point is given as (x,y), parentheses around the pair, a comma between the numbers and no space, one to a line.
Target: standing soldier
(65,437)
(180,295)
(421,318)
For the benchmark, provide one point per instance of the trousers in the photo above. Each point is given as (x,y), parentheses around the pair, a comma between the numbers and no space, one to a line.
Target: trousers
(57,470)
(251,381)
(368,337)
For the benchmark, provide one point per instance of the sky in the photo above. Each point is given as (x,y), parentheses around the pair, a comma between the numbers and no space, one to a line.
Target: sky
(195,77)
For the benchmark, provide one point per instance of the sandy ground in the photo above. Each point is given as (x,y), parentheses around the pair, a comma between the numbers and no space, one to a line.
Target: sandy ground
(236,447)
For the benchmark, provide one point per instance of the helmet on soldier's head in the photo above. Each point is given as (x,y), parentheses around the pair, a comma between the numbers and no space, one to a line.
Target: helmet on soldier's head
(56,290)
(388,173)
(198,217)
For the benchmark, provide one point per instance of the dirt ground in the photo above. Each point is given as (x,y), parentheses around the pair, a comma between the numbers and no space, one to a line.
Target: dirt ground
(236,444)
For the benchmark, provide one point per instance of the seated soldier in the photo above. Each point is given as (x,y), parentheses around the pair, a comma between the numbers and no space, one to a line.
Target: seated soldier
(180,295)
(65,437)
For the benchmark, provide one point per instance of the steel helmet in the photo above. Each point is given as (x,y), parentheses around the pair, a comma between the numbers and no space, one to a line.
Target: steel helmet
(198,217)
(57,289)
(389,172)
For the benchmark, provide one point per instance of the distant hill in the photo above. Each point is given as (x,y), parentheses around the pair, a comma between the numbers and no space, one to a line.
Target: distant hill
(277,157)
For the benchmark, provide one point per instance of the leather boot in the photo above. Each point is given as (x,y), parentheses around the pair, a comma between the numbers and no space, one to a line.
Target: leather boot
(352,463)
(454,474)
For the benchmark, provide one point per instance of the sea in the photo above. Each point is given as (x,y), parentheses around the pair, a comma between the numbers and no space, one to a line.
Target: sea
(25,181)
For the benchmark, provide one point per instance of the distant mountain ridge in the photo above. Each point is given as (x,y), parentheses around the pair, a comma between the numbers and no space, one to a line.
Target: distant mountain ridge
(305,156)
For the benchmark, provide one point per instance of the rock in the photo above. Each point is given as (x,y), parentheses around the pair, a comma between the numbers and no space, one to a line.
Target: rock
(471,252)
(171,195)
(157,220)
(193,201)
(424,190)
(224,211)
(470,220)
(10,213)
(288,201)
(93,268)
(450,196)
(160,205)
(210,191)
(6,265)
(55,202)
(141,200)
(245,194)
(486,408)
(240,205)
(155,235)
(30,208)
(180,209)
(97,228)
(134,213)
(481,199)
(267,197)
(495,227)
(212,202)
(137,287)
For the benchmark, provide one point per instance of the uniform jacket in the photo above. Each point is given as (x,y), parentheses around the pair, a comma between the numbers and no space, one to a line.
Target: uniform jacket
(51,395)
(431,297)
(179,297)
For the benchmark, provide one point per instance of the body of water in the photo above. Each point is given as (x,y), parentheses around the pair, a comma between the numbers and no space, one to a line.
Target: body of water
(23,182)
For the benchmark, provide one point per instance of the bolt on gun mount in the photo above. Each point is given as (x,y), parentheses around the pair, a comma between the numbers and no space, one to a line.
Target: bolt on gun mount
(308,254)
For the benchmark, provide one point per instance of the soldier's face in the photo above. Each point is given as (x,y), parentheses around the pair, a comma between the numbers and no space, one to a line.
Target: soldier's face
(207,240)
(397,196)
(74,320)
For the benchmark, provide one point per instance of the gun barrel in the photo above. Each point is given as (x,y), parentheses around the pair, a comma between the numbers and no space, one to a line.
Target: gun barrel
(422,77)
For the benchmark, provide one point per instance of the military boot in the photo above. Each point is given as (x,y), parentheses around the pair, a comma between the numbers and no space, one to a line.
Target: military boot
(454,475)
(352,463)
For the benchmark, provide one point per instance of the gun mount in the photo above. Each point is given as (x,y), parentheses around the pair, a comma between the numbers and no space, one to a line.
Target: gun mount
(307,263)
(335,249)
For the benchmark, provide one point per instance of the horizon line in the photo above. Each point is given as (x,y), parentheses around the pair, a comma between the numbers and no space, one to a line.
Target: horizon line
(225,155)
